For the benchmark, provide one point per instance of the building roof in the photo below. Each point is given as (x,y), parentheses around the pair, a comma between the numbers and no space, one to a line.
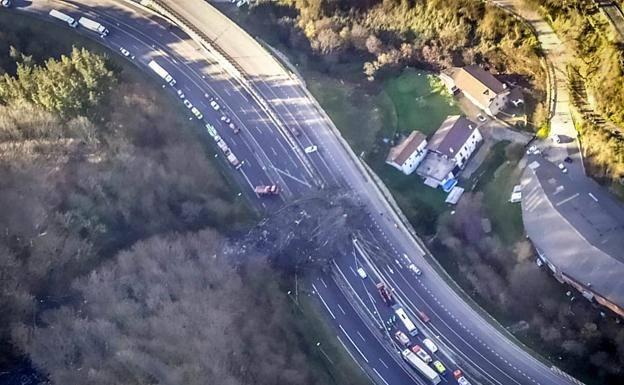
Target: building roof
(399,153)
(478,83)
(581,236)
(435,167)
(451,135)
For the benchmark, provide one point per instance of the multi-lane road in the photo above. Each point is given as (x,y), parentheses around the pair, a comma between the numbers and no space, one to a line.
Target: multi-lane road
(267,113)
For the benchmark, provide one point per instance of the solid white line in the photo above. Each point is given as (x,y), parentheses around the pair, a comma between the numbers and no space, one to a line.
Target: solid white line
(593,197)
(356,347)
(377,373)
(324,303)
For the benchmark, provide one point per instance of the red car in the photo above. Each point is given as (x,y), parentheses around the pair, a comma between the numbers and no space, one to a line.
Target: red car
(423,317)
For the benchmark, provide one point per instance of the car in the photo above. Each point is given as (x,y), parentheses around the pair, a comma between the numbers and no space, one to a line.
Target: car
(556,139)
(423,317)
(124,51)
(180,94)
(361,272)
(197,113)
(439,367)
(481,118)
(414,269)
(459,376)
(562,168)
(402,338)
(226,119)
(267,190)
(215,106)
(421,353)
(188,104)
(310,149)
(533,150)
(211,131)
(430,345)
(234,127)
(567,159)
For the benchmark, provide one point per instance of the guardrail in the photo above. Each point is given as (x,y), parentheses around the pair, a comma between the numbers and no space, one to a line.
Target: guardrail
(230,66)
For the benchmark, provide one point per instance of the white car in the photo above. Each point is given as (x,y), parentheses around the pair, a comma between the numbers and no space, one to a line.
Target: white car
(215,106)
(188,104)
(430,345)
(414,269)
(562,168)
(180,94)
(361,273)
(197,114)
(481,118)
(124,51)
(422,354)
(310,149)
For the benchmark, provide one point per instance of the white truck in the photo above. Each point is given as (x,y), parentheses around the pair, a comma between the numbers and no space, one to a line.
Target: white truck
(63,17)
(421,367)
(161,72)
(94,26)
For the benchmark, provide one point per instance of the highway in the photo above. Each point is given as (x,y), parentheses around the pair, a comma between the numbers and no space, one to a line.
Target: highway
(272,154)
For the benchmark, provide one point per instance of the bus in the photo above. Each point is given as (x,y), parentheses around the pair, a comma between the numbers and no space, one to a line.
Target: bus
(409,325)
(421,367)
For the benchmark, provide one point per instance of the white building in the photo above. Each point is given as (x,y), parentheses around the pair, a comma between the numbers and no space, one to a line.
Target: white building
(480,87)
(408,154)
(456,139)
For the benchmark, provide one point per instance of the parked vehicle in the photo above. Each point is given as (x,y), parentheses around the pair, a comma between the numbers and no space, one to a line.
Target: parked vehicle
(409,325)
(215,106)
(459,376)
(267,190)
(180,94)
(212,131)
(161,72)
(421,367)
(563,168)
(94,26)
(63,17)
(402,338)
(385,293)
(421,353)
(430,345)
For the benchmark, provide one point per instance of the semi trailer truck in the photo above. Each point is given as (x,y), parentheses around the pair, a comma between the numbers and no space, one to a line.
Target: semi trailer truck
(94,26)
(63,17)
(162,73)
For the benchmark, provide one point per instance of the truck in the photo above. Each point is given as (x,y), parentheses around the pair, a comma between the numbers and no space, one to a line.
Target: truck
(161,72)
(94,26)
(409,325)
(63,17)
(385,293)
(267,189)
(420,366)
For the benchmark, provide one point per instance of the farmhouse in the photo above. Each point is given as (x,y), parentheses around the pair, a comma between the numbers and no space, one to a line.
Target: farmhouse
(479,86)
(408,154)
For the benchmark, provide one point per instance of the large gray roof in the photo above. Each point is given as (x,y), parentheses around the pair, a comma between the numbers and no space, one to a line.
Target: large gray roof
(581,235)
(451,135)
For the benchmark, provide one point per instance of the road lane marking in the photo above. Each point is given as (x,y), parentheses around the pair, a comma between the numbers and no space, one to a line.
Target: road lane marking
(384,364)
(323,301)
(377,373)
(361,336)
(323,282)
(353,343)
(341,309)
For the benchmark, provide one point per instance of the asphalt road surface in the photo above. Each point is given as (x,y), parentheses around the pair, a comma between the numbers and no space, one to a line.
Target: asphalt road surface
(271,155)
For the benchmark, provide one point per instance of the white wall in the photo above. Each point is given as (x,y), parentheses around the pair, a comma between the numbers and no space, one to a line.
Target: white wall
(464,153)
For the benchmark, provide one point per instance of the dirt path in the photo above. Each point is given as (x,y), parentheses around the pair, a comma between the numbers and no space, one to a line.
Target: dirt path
(557,57)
